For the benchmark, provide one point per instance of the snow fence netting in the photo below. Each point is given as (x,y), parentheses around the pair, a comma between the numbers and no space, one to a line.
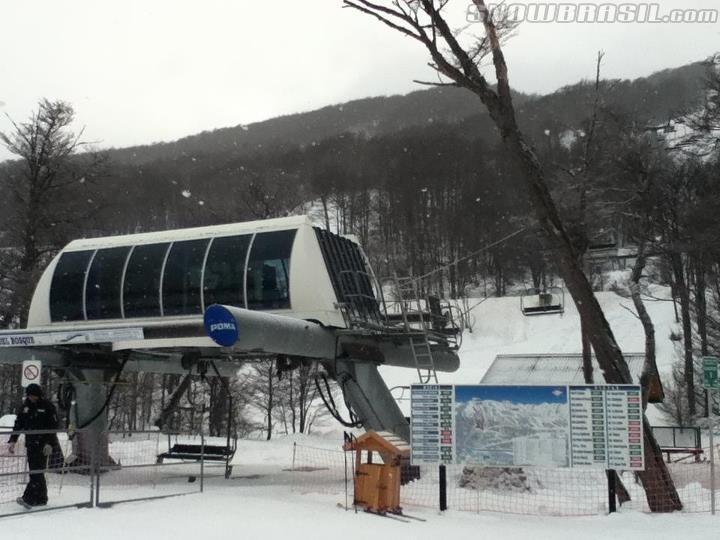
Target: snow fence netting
(511,490)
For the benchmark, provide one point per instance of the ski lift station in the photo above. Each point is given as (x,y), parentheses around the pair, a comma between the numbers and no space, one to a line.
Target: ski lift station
(204,300)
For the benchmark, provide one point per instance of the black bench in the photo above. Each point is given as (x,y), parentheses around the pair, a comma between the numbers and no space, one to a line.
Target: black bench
(679,440)
(691,452)
(195,452)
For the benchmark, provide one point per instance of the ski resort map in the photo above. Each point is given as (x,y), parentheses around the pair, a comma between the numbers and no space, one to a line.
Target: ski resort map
(579,426)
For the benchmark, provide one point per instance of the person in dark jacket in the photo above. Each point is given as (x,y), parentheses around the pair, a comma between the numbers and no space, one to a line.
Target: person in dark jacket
(36,413)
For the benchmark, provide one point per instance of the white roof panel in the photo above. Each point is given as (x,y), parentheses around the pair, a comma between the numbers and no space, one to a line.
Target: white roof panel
(246,227)
(551,369)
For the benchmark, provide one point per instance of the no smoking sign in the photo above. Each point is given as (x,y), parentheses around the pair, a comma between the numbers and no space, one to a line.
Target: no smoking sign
(31,372)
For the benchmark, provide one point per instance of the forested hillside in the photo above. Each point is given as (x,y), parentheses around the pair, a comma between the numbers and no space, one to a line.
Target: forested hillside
(423,180)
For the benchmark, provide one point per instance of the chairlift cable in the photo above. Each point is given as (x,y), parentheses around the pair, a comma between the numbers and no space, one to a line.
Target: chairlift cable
(469,256)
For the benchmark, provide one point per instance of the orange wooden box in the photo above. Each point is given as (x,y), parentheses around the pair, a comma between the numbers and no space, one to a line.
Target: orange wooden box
(377,484)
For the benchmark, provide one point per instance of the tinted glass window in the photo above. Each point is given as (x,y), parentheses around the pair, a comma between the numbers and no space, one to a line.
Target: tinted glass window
(102,294)
(181,282)
(268,272)
(141,290)
(66,290)
(225,271)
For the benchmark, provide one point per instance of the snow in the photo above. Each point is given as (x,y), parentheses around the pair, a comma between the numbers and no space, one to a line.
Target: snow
(7,422)
(501,328)
(253,513)
(264,501)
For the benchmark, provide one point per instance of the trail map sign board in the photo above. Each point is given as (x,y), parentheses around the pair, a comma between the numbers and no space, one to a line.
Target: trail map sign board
(596,426)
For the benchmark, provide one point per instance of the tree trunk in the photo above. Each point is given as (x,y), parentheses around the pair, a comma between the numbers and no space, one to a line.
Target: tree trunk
(270,404)
(659,488)
(586,355)
(701,304)
(701,316)
(173,402)
(650,366)
(682,291)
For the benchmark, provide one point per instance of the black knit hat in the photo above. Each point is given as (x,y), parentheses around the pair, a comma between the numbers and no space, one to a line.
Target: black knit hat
(33,390)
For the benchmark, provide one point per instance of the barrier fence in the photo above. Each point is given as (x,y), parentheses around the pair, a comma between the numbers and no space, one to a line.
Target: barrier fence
(137,474)
(132,466)
(81,472)
(531,491)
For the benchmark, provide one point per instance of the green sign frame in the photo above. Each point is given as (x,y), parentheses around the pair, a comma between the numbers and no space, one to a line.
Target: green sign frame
(711,377)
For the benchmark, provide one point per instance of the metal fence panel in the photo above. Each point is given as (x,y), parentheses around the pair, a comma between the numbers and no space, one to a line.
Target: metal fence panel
(133,471)
(68,475)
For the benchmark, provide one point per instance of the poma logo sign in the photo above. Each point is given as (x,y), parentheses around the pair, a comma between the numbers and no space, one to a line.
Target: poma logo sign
(217,327)
(221,326)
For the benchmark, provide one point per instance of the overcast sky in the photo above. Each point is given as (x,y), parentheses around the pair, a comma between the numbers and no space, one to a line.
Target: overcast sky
(155,70)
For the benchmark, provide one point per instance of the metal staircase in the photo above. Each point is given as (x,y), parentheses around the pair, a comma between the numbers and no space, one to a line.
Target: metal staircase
(417,337)
(422,354)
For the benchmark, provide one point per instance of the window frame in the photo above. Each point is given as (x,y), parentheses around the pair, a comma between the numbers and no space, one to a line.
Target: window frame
(294,232)
(170,244)
(130,250)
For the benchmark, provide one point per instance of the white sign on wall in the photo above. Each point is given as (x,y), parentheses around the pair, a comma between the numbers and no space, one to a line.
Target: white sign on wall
(31,370)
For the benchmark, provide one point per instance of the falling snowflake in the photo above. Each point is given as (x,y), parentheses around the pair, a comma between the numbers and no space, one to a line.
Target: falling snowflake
(186,193)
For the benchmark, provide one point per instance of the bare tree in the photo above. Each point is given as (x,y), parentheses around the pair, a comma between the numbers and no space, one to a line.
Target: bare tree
(457,64)
(48,168)
(262,386)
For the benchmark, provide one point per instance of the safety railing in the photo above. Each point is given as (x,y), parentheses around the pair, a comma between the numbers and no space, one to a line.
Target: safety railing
(50,470)
(131,469)
(60,477)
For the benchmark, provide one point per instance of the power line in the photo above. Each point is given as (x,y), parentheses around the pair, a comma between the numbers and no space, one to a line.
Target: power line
(470,256)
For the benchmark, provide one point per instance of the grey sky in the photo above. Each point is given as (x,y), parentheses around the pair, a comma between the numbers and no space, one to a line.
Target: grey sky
(144,71)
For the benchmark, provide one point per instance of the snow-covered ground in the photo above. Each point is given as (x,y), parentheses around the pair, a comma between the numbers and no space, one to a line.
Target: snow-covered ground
(501,328)
(266,500)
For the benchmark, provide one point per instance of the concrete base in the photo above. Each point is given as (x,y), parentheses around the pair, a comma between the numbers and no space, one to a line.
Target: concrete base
(91,441)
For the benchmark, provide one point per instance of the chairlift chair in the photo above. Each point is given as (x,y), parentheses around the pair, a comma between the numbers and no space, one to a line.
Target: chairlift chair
(546,301)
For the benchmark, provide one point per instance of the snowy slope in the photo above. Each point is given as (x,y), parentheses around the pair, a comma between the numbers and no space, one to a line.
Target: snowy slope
(255,513)
(501,328)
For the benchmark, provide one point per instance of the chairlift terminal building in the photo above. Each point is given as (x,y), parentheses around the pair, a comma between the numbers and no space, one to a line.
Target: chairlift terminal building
(274,265)
(289,288)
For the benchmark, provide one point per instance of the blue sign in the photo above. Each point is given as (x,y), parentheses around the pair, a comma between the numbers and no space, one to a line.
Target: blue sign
(220,325)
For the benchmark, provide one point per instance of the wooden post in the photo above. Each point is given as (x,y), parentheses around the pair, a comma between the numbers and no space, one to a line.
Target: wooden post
(612,501)
(443,488)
